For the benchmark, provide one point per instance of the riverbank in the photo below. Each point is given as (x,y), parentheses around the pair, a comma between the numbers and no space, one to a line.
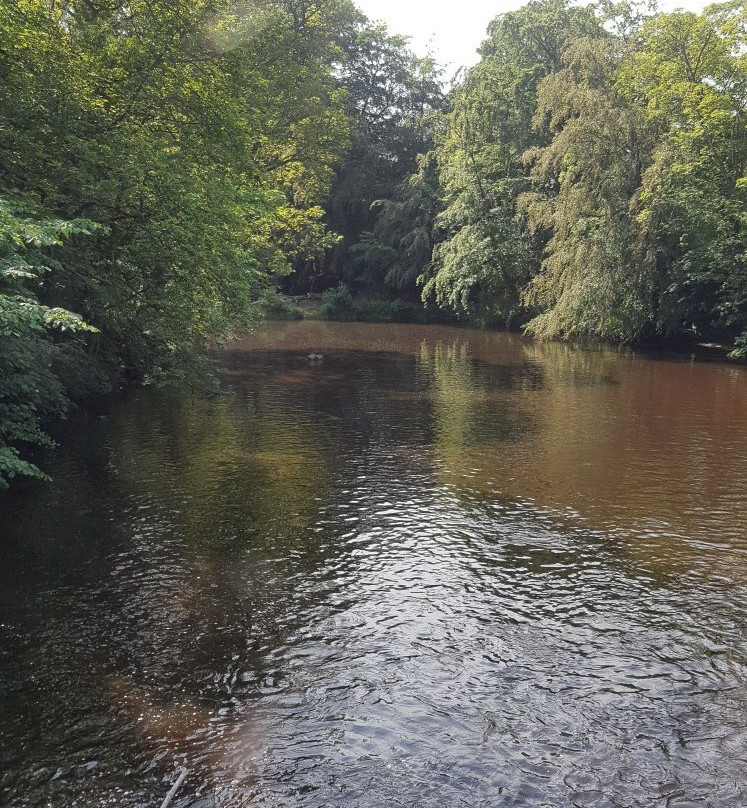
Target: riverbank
(334,306)
(339,305)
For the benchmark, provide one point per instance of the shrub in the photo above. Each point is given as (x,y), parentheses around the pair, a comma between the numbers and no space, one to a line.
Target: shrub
(337,304)
(374,310)
(274,306)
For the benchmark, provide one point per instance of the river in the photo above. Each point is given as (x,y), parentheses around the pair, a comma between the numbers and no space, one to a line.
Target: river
(436,567)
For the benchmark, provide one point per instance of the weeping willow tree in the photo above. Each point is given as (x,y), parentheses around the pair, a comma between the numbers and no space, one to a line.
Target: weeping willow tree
(641,186)
(405,225)
(485,255)
(596,278)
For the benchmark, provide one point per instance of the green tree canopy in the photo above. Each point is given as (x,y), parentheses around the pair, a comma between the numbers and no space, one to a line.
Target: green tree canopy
(485,255)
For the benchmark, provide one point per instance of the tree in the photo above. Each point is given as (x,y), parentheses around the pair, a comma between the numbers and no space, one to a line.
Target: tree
(201,136)
(405,227)
(596,279)
(389,93)
(486,255)
(690,78)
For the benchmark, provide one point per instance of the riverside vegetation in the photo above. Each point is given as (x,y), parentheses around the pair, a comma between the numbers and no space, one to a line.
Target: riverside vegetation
(164,166)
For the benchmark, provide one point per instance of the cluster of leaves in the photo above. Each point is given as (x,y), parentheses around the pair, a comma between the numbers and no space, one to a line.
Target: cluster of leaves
(588,179)
(30,388)
(639,185)
(484,257)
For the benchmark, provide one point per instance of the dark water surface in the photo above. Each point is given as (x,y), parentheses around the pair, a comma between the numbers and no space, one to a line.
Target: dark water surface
(437,568)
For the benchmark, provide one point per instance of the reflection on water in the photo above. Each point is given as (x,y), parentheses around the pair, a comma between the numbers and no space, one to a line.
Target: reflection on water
(437,568)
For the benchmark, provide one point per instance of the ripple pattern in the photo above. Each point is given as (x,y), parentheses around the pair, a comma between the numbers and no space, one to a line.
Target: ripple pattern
(347,584)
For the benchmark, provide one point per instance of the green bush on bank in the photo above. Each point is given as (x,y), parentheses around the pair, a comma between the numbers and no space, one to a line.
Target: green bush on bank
(274,306)
(340,305)
(740,347)
(337,304)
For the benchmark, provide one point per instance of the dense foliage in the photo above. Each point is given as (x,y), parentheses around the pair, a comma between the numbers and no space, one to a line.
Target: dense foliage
(201,138)
(485,256)
(390,94)
(592,175)
(31,359)
(165,165)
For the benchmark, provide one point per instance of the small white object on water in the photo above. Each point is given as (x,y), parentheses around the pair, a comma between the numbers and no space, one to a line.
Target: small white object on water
(315,356)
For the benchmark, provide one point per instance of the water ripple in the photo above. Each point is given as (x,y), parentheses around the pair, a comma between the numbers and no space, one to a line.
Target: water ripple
(404,576)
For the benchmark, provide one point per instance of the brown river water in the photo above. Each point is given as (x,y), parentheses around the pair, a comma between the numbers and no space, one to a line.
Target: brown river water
(437,567)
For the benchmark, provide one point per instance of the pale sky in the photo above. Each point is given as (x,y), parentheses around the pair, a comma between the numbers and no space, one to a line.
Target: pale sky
(453,29)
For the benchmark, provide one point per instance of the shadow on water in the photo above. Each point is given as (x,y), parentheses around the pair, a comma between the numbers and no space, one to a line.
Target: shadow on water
(437,567)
